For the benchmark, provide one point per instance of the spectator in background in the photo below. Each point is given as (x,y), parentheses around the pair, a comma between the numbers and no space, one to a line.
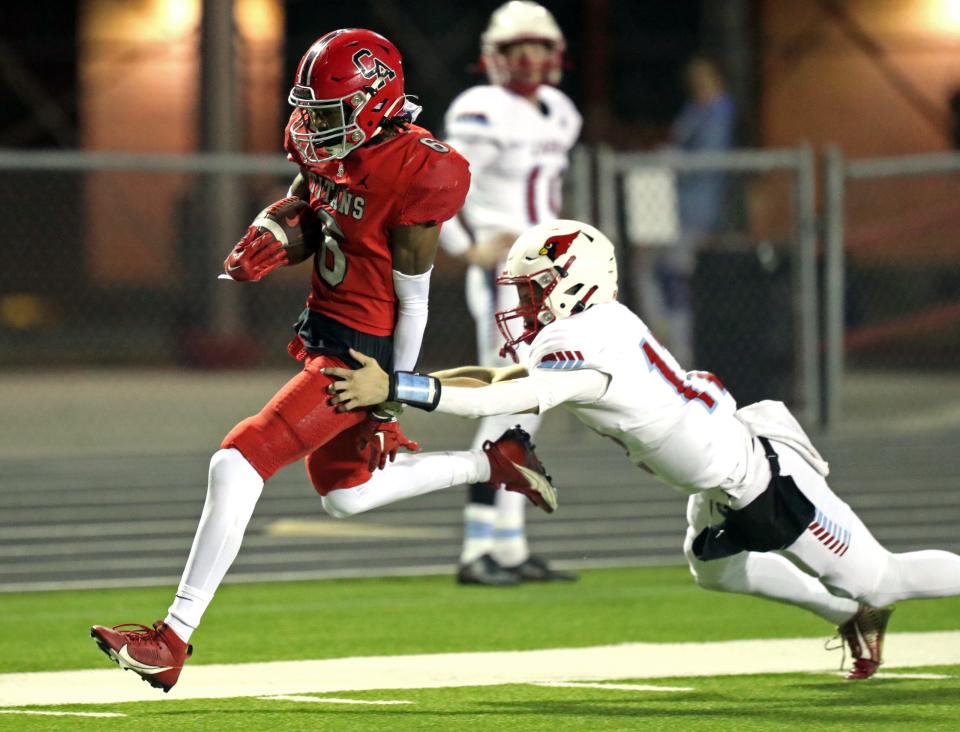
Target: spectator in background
(705,123)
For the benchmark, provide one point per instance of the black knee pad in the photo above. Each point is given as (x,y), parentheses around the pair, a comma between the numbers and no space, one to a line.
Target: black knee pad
(714,542)
(774,519)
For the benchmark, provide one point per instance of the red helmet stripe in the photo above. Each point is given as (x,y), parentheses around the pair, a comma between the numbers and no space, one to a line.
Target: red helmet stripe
(532,195)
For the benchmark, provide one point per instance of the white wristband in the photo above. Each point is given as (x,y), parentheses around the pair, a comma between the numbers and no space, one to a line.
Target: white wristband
(417,390)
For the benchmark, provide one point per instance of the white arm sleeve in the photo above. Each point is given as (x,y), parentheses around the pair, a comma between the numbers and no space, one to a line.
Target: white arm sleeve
(413,292)
(531,393)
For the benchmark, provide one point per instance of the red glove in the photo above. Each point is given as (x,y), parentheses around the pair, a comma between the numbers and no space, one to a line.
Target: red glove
(383,438)
(254,256)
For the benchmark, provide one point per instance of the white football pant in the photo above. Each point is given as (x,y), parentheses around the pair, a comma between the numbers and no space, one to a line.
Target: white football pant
(835,564)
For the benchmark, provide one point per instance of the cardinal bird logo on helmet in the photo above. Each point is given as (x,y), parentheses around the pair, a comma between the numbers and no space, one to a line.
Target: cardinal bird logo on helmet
(557,246)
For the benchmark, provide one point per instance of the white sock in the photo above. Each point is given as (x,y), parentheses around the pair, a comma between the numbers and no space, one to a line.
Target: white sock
(499,529)
(915,575)
(773,577)
(478,521)
(509,529)
(188,605)
(233,489)
(408,476)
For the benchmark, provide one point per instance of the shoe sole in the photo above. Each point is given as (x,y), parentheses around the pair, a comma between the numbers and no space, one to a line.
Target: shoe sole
(549,577)
(881,629)
(541,486)
(863,675)
(113,656)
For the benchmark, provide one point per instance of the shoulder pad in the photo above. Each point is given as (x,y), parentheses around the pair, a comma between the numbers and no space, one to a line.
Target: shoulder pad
(438,183)
(556,347)
(564,106)
(479,109)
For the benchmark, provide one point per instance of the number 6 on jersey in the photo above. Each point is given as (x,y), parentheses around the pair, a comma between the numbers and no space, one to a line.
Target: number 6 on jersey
(330,261)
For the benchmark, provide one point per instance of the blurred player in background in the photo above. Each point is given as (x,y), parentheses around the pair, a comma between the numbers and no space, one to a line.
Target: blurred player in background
(516,132)
(762,519)
(381,186)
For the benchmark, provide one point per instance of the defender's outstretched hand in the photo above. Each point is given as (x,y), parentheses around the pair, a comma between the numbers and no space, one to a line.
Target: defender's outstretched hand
(366,386)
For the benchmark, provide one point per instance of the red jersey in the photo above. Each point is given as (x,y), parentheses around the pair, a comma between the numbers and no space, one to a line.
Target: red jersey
(405,180)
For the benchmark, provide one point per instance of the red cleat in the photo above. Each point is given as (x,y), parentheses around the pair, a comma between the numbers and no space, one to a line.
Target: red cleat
(863,633)
(156,654)
(515,466)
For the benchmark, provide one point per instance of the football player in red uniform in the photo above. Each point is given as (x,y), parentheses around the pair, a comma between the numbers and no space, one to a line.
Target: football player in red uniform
(381,187)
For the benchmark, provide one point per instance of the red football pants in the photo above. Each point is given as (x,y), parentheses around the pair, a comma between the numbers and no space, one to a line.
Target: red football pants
(299,422)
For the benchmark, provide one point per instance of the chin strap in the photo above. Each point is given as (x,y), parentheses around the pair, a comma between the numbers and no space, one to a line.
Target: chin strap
(582,302)
(509,351)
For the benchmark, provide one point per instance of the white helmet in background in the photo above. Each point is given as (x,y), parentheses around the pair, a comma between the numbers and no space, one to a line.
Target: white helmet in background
(560,268)
(515,22)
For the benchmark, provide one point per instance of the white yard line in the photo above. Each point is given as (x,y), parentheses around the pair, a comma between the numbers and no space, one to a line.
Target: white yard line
(34,713)
(331,700)
(352,529)
(598,663)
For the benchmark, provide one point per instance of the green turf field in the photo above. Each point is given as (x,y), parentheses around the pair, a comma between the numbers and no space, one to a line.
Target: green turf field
(387,617)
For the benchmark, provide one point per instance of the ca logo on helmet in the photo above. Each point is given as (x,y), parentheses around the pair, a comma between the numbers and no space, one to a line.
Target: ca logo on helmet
(557,246)
(371,67)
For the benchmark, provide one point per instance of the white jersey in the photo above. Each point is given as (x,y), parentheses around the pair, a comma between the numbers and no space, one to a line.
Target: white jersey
(518,152)
(679,425)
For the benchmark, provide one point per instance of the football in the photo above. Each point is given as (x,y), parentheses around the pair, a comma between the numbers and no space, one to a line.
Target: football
(294,224)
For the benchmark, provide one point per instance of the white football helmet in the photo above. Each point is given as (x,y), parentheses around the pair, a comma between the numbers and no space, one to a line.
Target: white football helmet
(514,22)
(560,268)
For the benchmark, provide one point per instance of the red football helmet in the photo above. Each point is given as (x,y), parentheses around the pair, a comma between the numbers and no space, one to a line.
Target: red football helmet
(348,82)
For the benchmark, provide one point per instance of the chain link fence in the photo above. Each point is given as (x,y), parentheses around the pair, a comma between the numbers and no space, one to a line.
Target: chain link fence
(718,255)
(892,293)
(113,261)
